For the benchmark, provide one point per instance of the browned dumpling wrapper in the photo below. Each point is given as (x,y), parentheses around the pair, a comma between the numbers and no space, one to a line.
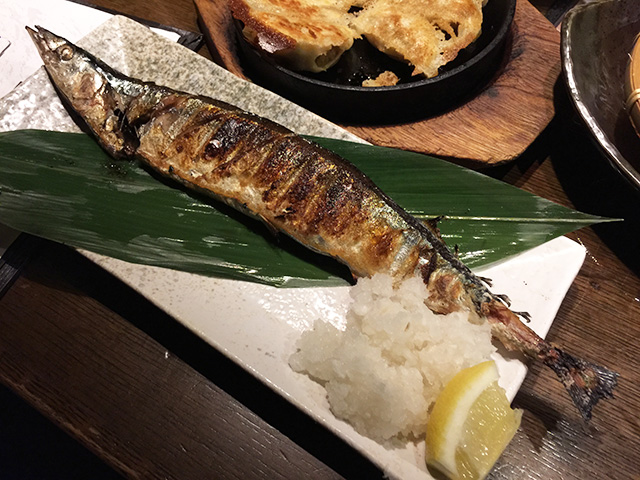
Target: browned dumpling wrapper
(312,35)
(427,34)
(301,35)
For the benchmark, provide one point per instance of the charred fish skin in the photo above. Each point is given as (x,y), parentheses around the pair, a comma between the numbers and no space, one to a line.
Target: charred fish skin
(296,187)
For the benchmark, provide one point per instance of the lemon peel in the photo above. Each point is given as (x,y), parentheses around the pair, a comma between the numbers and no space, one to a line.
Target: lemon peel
(471,424)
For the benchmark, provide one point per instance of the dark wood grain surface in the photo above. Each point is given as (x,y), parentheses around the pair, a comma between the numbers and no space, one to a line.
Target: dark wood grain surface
(152,400)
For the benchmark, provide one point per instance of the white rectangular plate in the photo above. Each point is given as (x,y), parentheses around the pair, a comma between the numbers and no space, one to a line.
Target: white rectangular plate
(256,325)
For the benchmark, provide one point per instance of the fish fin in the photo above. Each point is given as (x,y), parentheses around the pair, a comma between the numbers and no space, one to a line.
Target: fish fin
(432,224)
(586,382)
(270,226)
(504,299)
(526,316)
(428,268)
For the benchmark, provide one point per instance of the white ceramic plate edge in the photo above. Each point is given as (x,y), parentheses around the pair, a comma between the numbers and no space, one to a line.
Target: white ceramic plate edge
(257,327)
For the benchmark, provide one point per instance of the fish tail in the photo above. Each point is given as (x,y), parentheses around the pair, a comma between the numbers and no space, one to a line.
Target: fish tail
(586,382)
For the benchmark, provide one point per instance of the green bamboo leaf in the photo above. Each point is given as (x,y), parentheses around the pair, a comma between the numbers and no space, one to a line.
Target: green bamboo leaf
(64,187)
(488,219)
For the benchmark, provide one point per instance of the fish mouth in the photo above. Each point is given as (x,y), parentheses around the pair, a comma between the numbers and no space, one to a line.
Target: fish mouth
(45,41)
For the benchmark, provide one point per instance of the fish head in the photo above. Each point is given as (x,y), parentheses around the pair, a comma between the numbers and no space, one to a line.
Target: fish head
(86,84)
(72,70)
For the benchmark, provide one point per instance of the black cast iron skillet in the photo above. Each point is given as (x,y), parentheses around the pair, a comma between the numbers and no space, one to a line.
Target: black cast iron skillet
(337,94)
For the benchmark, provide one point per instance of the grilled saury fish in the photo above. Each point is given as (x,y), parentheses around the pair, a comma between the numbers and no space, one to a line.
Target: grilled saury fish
(296,187)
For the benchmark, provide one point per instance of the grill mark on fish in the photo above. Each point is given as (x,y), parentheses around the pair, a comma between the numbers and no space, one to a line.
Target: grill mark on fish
(278,171)
(296,187)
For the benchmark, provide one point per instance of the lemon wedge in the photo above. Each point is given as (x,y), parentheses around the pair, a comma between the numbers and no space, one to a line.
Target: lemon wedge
(471,424)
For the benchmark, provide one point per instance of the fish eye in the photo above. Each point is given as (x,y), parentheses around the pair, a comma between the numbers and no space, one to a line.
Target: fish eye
(65,52)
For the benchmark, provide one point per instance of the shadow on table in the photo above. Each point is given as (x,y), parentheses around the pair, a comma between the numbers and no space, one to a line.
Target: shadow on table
(593,185)
(586,176)
(224,373)
(31,447)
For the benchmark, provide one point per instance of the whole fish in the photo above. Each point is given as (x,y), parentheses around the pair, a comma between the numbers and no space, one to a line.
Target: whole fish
(296,187)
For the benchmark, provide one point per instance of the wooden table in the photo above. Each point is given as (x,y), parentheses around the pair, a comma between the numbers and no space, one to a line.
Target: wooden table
(154,401)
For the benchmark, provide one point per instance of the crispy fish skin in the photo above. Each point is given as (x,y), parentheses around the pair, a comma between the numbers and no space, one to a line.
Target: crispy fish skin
(296,187)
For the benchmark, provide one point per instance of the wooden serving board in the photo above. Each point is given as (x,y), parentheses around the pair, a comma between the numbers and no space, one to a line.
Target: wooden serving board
(494,127)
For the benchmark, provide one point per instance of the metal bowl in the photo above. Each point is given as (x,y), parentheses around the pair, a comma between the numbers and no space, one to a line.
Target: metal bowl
(337,93)
(597,38)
